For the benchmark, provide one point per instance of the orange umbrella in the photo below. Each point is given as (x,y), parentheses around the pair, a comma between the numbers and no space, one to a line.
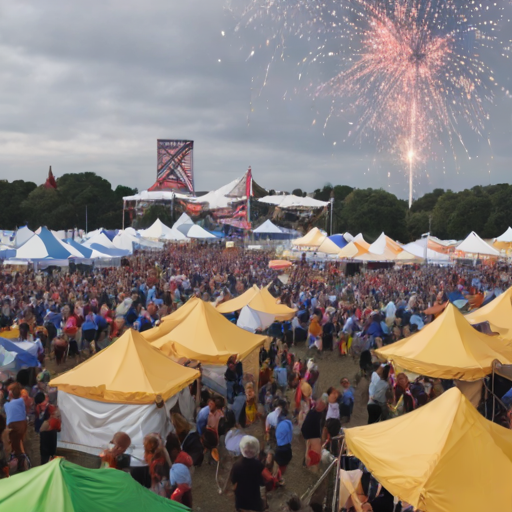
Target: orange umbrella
(279,264)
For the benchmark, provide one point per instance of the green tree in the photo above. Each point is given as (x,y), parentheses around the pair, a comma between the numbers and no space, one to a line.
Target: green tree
(417,224)
(427,202)
(372,212)
(123,191)
(153,213)
(12,195)
(298,192)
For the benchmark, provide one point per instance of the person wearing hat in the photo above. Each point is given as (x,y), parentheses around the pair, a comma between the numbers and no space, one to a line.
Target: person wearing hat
(246,477)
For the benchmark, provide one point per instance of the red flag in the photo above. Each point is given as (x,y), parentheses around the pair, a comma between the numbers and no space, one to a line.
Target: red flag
(248,184)
(50,181)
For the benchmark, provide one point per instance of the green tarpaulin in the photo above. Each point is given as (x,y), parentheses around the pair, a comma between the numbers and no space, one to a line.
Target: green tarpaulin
(61,486)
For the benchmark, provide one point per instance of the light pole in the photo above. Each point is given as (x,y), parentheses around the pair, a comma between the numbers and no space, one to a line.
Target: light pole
(332,208)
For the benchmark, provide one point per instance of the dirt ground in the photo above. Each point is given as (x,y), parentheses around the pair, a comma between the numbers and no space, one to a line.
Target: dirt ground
(297,478)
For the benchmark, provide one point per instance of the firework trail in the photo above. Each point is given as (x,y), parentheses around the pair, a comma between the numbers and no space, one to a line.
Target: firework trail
(413,70)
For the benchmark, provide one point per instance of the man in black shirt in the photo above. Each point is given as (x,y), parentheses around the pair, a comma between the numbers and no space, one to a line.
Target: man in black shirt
(247,477)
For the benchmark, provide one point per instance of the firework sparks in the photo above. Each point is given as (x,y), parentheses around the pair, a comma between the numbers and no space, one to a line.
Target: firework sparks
(416,75)
(412,70)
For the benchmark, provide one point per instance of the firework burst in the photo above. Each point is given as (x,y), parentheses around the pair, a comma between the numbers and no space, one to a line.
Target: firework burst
(412,71)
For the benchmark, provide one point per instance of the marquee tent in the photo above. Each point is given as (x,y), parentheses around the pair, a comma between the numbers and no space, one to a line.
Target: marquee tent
(159,231)
(313,238)
(352,250)
(23,358)
(434,457)
(66,487)
(418,249)
(259,300)
(239,302)
(43,248)
(383,244)
(115,390)
(474,245)
(293,202)
(339,240)
(498,313)
(448,348)
(129,242)
(328,247)
(199,331)
(22,235)
(184,220)
(199,233)
(99,239)
(268,228)
(504,241)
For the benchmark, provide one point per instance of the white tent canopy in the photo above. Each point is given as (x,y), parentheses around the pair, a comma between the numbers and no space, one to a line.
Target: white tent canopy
(184,220)
(156,195)
(219,198)
(199,233)
(159,231)
(473,244)
(292,201)
(100,239)
(22,235)
(418,249)
(126,241)
(252,320)
(505,237)
(268,227)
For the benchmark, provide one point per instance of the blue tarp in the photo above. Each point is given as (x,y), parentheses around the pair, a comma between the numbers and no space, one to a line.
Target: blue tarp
(339,240)
(23,358)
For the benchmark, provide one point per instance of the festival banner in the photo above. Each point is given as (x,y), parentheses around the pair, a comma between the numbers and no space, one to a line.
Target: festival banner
(175,165)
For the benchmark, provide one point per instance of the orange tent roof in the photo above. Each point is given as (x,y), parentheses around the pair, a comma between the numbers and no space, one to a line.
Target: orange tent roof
(205,334)
(129,371)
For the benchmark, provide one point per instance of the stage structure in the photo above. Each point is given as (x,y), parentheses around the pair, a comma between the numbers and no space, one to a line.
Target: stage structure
(175,169)
(174,178)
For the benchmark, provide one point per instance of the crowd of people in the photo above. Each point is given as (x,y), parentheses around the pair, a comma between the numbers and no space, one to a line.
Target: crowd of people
(251,430)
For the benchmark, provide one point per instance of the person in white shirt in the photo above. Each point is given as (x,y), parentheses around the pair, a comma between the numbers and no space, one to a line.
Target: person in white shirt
(377,404)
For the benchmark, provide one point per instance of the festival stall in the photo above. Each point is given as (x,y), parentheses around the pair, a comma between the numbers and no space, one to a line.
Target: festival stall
(198,331)
(444,456)
(119,389)
(63,486)
(159,231)
(498,313)
(448,348)
(474,246)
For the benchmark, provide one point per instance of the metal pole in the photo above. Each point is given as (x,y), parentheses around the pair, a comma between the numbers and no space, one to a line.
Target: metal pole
(124,204)
(86,230)
(332,207)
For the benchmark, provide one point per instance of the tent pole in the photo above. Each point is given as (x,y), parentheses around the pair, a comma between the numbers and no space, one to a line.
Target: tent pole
(493,395)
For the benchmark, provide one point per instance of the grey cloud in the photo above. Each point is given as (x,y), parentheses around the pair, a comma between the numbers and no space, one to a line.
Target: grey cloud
(90,87)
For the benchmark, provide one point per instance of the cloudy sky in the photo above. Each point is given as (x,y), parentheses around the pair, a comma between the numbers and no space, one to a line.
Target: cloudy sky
(90,86)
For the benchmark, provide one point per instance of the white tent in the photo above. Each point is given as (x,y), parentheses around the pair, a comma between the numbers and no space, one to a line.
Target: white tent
(252,320)
(116,391)
(126,241)
(159,231)
(505,237)
(155,195)
(199,233)
(219,198)
(473,244)
(183,220)
(348,237)
(22,235)
(268,227)
(100,239)
(418,249)
(292,201)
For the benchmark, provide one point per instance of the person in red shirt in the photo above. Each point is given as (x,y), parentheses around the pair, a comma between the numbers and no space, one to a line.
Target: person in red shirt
(47,423)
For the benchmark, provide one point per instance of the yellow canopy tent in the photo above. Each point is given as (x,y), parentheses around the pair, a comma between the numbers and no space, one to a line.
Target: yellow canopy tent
(130,371)
(207,336)
(498,313)
(313,238)
(169,322)
(328,247)
(443,457)
(449,348)
(239,302)
(261,301)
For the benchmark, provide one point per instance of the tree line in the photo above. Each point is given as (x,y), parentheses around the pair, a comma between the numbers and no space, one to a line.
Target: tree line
(86,197)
